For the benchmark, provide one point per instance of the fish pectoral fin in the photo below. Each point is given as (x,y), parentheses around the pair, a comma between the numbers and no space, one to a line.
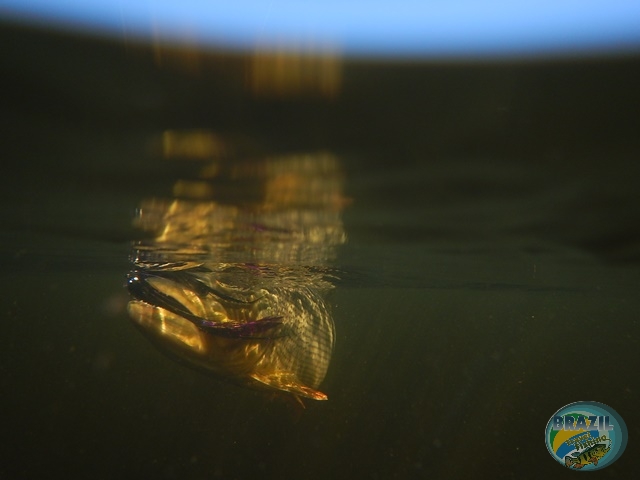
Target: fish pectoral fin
(288,382)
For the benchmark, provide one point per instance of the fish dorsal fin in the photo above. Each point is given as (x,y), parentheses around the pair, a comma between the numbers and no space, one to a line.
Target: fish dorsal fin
(288,382)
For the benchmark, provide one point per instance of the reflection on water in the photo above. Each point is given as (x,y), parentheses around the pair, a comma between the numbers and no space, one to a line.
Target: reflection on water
(285,71)
(290,72)
(193,144)
(236,287)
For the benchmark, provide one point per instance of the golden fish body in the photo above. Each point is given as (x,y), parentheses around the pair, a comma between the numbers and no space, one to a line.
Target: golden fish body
(271,336)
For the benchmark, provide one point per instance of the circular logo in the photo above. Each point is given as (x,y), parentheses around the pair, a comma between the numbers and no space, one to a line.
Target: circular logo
(586,436)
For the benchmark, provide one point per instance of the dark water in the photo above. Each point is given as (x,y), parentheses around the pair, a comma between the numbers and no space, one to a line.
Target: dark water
(489,278)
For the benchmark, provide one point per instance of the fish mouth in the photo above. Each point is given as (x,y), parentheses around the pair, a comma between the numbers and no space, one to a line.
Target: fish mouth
(183,295)
(162,290)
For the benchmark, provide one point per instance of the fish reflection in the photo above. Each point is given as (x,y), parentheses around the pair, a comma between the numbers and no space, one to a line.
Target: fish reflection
(234,283)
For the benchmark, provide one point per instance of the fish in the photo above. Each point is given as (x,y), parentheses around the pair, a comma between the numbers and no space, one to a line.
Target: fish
(266,336)
(235,284)
(590,455)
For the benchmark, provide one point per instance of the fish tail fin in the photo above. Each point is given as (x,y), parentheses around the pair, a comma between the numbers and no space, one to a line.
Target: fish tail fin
(569,461)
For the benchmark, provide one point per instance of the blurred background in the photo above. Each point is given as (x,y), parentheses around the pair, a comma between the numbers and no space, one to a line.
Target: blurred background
(488,163)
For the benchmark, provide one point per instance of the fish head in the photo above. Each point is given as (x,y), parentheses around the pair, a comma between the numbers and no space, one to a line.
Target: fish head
(170,309)
(266,336)
(159,308)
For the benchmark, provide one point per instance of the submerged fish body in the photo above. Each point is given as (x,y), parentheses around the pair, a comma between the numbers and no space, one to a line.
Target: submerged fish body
(268,336)
(233,284)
